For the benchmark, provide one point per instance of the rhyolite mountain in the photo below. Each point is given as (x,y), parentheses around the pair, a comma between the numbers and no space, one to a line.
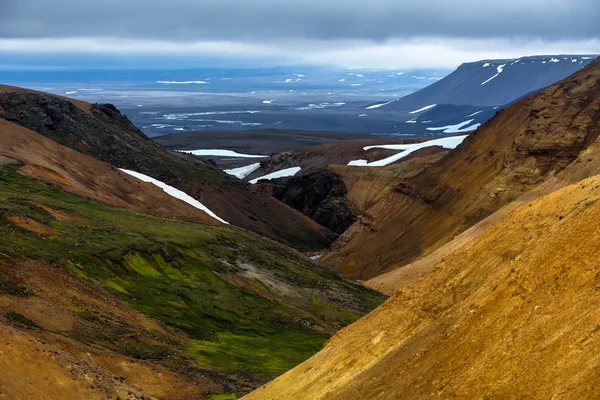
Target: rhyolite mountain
(550,134)
(101,131)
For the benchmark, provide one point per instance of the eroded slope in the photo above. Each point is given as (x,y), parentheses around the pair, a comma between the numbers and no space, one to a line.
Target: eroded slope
(514,314)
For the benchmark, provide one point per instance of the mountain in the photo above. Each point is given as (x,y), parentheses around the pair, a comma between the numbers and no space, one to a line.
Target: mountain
(474,92)
(507,309)
(490,83)
(521,297)
(551,135)
(101,131)
(111,287)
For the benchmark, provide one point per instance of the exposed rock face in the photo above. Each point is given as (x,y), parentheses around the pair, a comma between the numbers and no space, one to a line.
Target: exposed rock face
(320,195)
(101,131)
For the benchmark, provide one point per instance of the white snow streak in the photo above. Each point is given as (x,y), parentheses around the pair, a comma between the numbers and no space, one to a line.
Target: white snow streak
(378,105)
(499,69)
(447,143)
(220,153)
(279,174)
(475,113)
(458,128)
(242,172)
(423,109)
(178,194)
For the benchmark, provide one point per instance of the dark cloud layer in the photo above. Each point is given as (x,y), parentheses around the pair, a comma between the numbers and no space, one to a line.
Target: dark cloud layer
(265,20)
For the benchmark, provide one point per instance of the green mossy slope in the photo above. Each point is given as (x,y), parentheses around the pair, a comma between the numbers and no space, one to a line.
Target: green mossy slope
(246,304)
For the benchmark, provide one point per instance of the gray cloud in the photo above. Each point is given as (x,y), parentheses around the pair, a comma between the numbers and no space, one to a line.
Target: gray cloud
(322,20)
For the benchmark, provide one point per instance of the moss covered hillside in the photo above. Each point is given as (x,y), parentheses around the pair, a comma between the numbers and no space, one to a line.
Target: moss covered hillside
(219,298)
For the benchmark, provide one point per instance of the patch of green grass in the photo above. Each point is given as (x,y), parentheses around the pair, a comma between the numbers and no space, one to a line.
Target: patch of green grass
(185,274)
(271,355)
(20,319)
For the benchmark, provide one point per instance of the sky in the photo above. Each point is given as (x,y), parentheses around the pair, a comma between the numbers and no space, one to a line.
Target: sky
(343,33)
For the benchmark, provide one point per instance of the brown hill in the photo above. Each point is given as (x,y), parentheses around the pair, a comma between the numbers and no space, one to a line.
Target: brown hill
(512,315)
(44,159)
(101,131)
(552,133)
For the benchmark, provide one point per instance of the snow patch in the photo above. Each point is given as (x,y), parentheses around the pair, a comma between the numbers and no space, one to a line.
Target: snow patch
(486,65)
(475,113)
(458,128)
(178,194)
(242,172)
(423,109)
(499,69)
(447,143)
(554,60)
(378,105)
(279,174)
(220,153)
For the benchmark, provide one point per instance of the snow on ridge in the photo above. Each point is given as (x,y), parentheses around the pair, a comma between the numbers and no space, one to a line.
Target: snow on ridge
(220,153)
(71,92)
(379,105)
(447,143)
(242,172)
(499,69)
(458,128)
(278,174)
(474,114)
(423,109)
(182,83)
(178,194)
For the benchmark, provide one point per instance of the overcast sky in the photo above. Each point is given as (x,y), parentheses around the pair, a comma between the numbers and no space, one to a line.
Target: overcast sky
(349,33)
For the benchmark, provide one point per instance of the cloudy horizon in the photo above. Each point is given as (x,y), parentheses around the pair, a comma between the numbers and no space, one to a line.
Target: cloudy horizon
(377,34)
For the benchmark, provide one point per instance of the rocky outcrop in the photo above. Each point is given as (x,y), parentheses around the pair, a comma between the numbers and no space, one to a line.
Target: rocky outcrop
(320,195)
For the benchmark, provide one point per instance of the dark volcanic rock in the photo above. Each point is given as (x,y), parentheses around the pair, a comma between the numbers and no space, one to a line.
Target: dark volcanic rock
(320,195)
